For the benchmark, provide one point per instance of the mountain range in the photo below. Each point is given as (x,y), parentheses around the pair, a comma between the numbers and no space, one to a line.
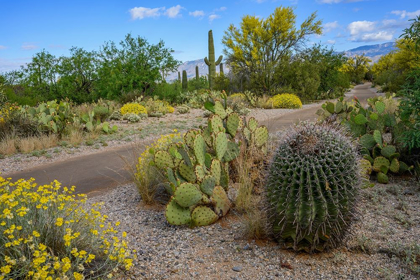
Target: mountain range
(374,52)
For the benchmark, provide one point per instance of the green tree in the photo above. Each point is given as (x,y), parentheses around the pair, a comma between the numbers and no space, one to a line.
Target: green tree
(256,48)
(78,74)
(135,65)
(356,67)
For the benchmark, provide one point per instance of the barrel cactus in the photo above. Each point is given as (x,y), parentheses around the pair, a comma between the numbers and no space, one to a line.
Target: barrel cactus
(312,186)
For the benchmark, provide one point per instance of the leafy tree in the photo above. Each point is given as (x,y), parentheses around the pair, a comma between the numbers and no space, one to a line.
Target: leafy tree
(78,73)
(135,65)
(256,48)
(356,67)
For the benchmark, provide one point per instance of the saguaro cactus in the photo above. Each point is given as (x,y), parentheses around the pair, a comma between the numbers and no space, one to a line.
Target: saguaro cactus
(179,76)
(221,69)
(211,63)
(197,74)
(184,80)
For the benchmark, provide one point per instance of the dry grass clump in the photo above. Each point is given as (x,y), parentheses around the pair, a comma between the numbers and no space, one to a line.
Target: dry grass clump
(8,145)
(29,144)
(75,137)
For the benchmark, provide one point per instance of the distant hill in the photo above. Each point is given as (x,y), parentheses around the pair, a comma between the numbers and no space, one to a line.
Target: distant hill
(189,66)
(374,52)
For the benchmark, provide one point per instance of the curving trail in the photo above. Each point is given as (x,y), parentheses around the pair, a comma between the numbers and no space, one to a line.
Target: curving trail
(96,173)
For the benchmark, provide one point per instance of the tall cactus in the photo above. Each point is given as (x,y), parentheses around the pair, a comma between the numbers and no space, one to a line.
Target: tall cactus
(184,80)
(197,74)
(179,76)
(221,69)
(211,63)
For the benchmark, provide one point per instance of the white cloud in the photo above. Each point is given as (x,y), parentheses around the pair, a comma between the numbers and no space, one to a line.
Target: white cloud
(3,47)
(213,17)
(143,12)
(197,13)
(330,26)
(222,9)
(27,47)
(378,36)
(331,42)
(357,27)
(404,13)
(174,11)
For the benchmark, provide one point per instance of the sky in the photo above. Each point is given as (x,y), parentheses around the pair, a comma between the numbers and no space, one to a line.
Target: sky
(28,27)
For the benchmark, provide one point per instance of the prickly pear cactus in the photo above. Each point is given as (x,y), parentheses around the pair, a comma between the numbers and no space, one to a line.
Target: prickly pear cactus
(312,187)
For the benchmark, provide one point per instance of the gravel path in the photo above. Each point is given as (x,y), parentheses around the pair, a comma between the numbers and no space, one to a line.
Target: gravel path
(219,252)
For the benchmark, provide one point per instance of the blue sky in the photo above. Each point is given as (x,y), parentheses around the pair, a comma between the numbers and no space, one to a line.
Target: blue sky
(27,27)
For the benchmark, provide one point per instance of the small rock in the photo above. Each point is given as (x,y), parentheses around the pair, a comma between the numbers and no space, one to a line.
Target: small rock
(247,247)
(237,268)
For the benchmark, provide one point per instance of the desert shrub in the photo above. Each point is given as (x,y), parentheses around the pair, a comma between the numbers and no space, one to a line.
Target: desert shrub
(183,109)
(101,113)
(116,115)
(239,103)
(46,231)
(133,118)
(285,100)
(147,176)
(312,187)
(156,107)
(133,108)
(15,122)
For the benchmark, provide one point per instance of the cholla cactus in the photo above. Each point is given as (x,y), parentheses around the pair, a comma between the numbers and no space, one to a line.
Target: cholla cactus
(312,187)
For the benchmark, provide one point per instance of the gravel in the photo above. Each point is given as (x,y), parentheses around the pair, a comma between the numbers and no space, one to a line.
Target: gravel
(220,252)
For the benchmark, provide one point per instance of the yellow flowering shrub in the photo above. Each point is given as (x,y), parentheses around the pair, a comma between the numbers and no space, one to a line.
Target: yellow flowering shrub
(46,232)
(133,108)
(147,176)
(7,110)
(285,100)
(158,107)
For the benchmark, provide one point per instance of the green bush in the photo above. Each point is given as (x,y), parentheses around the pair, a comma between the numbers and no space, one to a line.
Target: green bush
(101,113)
(285,100)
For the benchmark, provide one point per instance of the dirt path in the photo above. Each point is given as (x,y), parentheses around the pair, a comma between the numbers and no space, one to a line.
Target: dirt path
(96,173)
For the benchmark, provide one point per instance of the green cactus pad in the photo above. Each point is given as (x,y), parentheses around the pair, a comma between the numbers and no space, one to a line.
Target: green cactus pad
(380,107)
(187,172)
(185,156)
(173,151)
(380,161)
(394,166)
(403,167)
(232,151)
(396,155)
(177,215)
(219,110)
(164,160)
(369,158)
(366,167)
(241,123)
(216,170)
(205,132)
(224,176)
(374,116)
(216,124)
(187,195)
(330,107)
(247,133)
(208,184)
(261,136)
(221,201)
(189,137)
(200,172)
(232,124)
(200,149)
(360,119)
(203,216)
(378,137)
(205,199)
(338,107)
(252,124)
(367,141)
(172,180)
(220,144)
(388,151)
(208,160)
(382,178)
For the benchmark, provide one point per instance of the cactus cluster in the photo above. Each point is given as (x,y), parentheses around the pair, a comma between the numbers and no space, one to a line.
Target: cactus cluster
(312,187)
(380,157)
(198,167)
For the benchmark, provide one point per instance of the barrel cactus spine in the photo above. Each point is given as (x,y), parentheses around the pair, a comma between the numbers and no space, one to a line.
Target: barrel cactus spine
(312,187)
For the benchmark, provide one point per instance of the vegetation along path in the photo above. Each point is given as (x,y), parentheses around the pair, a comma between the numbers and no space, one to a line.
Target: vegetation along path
(96,173)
